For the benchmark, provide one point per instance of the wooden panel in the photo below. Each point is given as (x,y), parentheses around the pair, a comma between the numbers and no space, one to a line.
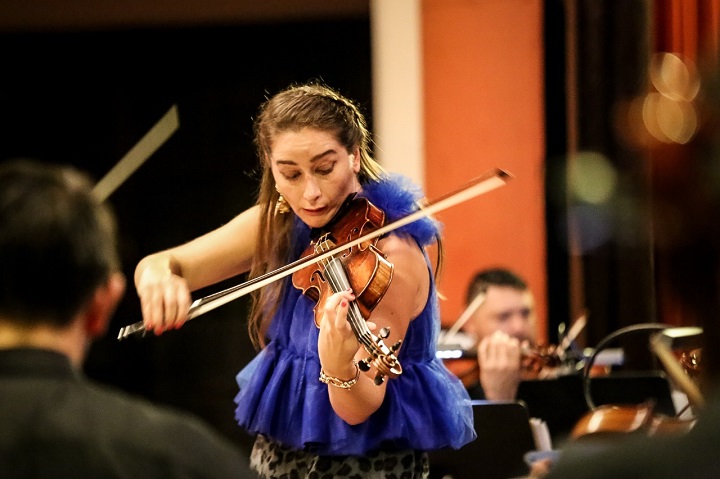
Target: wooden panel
(484,108)
(49,14)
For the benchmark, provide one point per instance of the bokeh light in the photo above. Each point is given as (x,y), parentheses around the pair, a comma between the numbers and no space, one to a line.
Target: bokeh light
(669,114)
(592,178)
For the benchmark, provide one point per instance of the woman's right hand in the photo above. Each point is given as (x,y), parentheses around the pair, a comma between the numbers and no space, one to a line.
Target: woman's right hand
(164,295)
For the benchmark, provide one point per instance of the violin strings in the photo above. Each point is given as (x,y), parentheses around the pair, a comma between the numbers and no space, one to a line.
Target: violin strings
(338,280)
(335,276)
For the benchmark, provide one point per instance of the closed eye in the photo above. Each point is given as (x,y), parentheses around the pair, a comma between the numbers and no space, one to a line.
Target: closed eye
(290,176)
(326,170)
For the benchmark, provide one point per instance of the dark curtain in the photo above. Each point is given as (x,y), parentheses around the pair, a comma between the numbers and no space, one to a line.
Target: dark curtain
(600,248)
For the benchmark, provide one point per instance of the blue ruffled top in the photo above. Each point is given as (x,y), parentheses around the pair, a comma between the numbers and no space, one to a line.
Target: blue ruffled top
(425,408)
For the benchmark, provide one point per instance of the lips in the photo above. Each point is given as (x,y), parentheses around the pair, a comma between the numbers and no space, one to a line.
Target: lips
(316,211)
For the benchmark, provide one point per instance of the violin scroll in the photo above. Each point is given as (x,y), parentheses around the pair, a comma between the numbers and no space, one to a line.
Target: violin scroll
(537,358)
(383,358)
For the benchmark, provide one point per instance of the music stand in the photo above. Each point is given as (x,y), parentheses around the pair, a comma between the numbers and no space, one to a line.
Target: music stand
(504,436)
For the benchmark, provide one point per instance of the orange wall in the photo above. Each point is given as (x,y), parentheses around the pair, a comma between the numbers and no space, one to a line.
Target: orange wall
(483,87)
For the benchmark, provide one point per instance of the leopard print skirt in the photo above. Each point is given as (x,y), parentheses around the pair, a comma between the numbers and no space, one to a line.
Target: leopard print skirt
(275,461)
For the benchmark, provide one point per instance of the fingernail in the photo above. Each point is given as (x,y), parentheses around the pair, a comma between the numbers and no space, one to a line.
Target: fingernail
(344,303)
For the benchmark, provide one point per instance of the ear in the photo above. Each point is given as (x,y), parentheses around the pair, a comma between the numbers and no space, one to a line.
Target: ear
(102,305)
(355,160)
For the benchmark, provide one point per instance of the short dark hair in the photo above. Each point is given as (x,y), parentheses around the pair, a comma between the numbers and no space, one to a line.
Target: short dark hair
(57,242)
(493,277)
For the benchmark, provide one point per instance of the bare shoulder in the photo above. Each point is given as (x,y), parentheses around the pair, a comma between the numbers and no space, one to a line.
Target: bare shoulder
(411,276)
(404,250)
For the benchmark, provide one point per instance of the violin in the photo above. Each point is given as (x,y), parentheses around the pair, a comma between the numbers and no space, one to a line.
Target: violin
(691,362)
(629,418)
(641,418)
(362,268)
(534,359)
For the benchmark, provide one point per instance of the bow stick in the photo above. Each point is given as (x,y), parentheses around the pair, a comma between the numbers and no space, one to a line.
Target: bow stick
(480,185)
(464,317)
(143,149)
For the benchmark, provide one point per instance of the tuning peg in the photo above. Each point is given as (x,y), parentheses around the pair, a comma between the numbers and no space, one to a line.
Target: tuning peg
(396,346)
(364,365)
(384,333)
(379,379)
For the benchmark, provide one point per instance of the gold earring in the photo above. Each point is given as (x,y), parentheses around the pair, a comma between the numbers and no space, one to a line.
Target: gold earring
(281,205)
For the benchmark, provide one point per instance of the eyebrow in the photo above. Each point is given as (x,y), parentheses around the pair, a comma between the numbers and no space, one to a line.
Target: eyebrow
(314,159)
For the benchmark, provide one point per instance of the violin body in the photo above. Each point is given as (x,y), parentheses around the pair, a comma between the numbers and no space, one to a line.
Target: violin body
(464,368)
(370,272)
(629,418)
(366,263)
(613,418)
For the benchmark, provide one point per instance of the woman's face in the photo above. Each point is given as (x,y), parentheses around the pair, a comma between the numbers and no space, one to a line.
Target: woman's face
(314,172)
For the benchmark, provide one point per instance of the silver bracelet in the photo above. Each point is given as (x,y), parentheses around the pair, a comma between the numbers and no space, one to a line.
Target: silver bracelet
(339,383)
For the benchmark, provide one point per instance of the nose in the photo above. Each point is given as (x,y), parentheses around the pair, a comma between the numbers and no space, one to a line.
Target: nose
(311,192)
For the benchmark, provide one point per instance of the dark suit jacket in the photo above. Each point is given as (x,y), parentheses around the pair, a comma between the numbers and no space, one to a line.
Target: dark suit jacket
(55,423)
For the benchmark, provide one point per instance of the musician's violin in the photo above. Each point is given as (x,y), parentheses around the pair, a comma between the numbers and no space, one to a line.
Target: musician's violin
(681,367)
(533,360)
(629,418)
(363,268)
(537,361)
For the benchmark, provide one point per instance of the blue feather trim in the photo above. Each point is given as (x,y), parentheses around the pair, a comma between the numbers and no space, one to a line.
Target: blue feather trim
(398,197)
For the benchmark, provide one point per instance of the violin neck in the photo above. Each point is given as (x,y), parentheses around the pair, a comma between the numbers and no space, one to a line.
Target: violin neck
(381,356)
(338,280)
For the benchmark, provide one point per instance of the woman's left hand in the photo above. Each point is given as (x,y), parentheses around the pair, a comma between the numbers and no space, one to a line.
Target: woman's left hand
(337,344)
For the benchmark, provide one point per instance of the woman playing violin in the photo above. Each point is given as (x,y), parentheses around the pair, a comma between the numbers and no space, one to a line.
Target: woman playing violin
(501,326)
(304,395)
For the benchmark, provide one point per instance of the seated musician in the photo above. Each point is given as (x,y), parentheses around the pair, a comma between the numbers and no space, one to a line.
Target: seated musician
(501,325)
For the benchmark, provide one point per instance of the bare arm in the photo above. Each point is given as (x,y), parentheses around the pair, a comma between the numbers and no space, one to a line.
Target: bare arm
(337,346)
(165,279)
